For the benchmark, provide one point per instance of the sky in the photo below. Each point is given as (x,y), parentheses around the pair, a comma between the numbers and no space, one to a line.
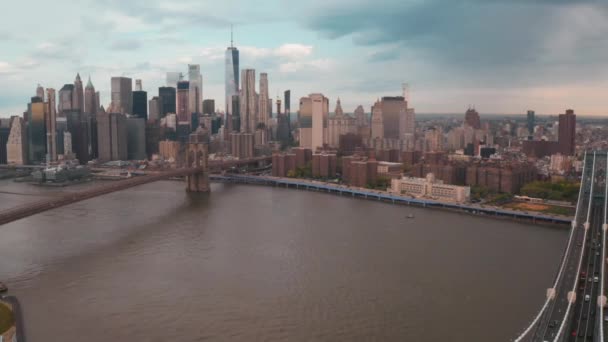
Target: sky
(501,56)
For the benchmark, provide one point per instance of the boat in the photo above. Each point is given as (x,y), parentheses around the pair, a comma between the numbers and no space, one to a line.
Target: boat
(410,216)
(3,287)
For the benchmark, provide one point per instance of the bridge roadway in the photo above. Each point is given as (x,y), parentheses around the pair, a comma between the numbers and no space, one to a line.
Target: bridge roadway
(571,311)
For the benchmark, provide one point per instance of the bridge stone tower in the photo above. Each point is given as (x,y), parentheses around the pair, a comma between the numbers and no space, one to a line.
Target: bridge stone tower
(197,154)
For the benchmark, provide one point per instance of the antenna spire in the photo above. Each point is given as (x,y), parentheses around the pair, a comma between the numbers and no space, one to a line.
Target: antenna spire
(231,36)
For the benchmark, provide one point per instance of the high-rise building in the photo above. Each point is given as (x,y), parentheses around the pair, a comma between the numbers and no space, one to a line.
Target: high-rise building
(394,117)
(340,124)
(320,113)
(140,101)
(78,97)
(531,122)
(16,146)
(36,132)
(183,92)
(361,119)
(305,122)
(167,96)
(51,124)
(66,94)
(263,106)
(248,107)
(195,96)
(377,129)
(136,138)
(78,124)
(208,106)
(567,132)
(112,135)
(5,131)
(91,98)
(154,109)
(232,76)
(40,92)
(122,95)
(471,118)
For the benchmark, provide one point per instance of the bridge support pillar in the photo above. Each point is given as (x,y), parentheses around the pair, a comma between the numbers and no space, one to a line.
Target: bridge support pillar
(197,157)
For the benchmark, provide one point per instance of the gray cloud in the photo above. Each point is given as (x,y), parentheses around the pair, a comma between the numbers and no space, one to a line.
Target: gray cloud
(503,37)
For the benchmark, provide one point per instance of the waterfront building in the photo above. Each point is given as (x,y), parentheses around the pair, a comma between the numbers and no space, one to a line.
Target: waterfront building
(112,136)
(121,95)
(264,105)
(140,102)
(283,164)
(430,187)
(324,165)
(242,145)
(16,146)
(5,131)
(78,124)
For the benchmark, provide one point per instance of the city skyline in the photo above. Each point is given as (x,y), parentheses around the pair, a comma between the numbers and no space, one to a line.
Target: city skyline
(333,49)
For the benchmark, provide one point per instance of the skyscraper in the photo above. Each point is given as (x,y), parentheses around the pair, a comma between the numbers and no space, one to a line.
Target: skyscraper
(154,109)
(377,121)
(122,95)
(248,101)
(394,116)
(320,113)
(167,96)
(37,131)
(112,135)
(183,92)
(51,124)
(195,96)
(263,106)
(208,106)
(91,99)
(567,132)
(531,122)
(16,146)
(78,97)
(40,92)
(140,101)
(65,98)
(232,75)
(471,118)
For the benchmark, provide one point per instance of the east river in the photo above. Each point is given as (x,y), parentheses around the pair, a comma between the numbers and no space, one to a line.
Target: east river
(249,263)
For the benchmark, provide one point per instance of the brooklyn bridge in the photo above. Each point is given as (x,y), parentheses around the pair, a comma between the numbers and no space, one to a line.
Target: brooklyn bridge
(196,171)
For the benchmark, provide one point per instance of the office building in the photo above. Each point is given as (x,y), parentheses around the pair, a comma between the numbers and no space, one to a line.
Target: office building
(567,133)
(51,124)
(531,122)
(183,93)
(324,165)
(154,109)
(66,94)
(471,119)
(249,103)
(377,129)
(16,146)
(340,124)
(136,138)
(140,103)
(263,105)
(78,97)
(208,106)
(112,136)
(36,132)
(91,99)
(242,145)
(231,76)
(138,85)
(78,124)
(195,96)
(5,131)
(122,95)
(40,92)
(167,96)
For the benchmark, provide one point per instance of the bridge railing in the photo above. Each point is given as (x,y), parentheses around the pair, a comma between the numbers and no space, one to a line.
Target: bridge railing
(601,304)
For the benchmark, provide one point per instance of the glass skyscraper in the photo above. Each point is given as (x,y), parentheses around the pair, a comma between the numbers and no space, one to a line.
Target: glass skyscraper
(37,132)
(232,76)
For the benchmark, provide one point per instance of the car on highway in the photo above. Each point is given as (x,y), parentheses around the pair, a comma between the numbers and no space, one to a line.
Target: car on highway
(596,279)
(587,298)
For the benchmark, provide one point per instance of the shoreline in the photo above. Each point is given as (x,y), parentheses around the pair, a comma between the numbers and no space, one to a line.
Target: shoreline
(376,195)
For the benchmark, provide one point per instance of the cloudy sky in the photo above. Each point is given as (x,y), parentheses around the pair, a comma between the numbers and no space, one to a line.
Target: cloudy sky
(503,56)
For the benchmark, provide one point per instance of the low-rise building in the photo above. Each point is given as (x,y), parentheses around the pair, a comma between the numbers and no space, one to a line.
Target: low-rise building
(430,187)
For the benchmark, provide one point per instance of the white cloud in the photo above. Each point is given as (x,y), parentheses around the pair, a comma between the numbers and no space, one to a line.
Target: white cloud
(294,51)
(121,22)
(316,64)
